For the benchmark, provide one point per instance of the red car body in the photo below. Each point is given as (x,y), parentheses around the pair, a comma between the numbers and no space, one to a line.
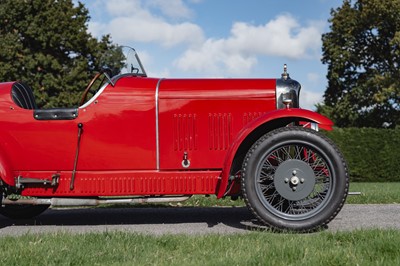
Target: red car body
(144,137)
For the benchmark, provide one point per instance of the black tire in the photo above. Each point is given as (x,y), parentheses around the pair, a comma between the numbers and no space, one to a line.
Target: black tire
(22,211)
(294,179)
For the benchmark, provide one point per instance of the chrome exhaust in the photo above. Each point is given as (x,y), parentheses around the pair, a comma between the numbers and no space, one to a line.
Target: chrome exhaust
(65,202)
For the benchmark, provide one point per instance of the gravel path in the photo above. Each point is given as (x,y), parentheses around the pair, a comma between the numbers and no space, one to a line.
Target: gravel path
(157,221)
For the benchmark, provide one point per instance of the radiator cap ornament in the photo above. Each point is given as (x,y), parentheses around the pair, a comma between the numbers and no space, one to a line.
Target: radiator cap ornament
(285,74)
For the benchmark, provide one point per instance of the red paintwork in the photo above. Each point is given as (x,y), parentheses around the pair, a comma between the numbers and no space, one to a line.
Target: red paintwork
(292,114)
(208,119)
(117,183)
(202,117)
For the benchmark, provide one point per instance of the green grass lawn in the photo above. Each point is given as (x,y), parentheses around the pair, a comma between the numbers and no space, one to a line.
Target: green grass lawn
(372,247)
(375,193)
(371,193)
(361,247)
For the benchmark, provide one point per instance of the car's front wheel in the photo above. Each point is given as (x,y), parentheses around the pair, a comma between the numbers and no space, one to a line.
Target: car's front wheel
(294,179)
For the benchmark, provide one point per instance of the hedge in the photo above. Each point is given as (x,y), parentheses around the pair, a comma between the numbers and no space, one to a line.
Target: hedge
(372,154)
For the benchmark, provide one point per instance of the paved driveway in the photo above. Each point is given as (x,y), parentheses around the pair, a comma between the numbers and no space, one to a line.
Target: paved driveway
(221,220)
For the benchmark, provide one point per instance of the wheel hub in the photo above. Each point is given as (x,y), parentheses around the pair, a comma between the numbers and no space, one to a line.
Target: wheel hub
(294,179)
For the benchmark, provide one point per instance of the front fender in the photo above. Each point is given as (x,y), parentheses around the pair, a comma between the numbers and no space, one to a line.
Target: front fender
(271,120)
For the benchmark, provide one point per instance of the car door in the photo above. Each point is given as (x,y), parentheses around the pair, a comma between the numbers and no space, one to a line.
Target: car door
(119,127)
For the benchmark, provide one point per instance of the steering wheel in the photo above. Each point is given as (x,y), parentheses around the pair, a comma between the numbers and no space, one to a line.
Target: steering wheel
(85,93)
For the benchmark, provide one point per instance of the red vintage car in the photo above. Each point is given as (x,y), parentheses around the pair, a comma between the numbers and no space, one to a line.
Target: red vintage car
(142,139)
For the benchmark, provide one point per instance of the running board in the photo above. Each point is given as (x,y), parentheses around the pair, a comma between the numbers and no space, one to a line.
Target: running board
(64,202)
(21,182)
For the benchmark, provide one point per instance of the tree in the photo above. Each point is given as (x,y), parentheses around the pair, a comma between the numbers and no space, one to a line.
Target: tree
(362,51)
(47,45)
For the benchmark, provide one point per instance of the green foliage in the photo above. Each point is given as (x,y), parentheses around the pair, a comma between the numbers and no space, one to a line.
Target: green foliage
(371,154)
(362,51)
(361,247)
(46,44)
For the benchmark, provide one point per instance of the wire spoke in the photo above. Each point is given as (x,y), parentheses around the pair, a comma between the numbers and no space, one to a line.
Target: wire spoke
(266,188)
(278,202)
(298,152)
(286,153)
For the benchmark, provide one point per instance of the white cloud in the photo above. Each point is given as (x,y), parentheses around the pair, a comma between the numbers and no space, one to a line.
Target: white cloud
(151,29)
(308,99)
(171,8)
(216,59)
(282,36)
(132,22)
(123,7)
(150,64)
(238,53)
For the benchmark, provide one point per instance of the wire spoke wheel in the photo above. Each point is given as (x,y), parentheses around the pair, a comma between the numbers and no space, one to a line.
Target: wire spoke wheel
(298,181)
(295,179)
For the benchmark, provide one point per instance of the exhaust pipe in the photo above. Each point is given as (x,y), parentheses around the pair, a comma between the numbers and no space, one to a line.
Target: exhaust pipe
(354,193)
(64,202)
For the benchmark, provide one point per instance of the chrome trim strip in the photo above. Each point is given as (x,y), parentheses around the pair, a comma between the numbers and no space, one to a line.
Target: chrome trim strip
(157,127)
(91,100)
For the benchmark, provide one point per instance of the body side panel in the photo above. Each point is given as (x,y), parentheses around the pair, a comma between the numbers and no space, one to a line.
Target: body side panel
(202,117)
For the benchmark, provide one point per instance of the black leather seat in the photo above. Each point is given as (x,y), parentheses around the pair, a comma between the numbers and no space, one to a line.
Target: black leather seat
(22,95)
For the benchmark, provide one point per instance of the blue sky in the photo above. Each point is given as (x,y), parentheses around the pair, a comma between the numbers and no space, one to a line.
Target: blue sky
(222,38)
